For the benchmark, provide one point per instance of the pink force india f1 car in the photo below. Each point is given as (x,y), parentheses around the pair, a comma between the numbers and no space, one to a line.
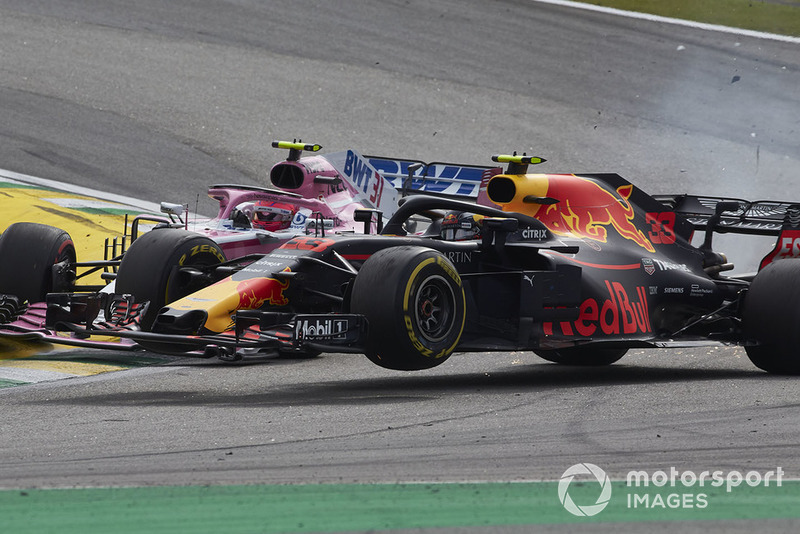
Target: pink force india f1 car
(576,268)
(313,194)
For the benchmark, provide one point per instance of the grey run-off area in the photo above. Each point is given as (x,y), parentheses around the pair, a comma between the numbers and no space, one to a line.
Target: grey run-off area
(156,100)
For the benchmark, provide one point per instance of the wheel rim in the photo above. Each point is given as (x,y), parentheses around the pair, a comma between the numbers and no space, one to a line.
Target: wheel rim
(433,306)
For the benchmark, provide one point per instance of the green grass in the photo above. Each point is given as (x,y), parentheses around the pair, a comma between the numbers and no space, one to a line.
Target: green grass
(328,508)
(769,16)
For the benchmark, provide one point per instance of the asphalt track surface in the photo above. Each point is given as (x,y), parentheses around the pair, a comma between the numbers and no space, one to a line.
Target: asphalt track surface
(156,100)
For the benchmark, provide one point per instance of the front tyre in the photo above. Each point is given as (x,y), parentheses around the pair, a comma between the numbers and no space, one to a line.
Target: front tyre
(151,269)
(771,316)
(36,259)
(413,299)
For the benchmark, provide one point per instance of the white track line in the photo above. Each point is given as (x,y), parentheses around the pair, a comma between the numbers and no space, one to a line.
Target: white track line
(78,190)
(667,20)
(32,376)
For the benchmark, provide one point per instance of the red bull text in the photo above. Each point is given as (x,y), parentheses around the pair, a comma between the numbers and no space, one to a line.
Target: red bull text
(617,314)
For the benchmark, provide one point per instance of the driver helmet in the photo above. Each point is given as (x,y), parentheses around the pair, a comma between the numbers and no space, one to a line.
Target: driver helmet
(272,216)
(461,226)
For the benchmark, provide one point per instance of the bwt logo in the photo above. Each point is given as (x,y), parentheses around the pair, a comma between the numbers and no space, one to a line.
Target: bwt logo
(358,170)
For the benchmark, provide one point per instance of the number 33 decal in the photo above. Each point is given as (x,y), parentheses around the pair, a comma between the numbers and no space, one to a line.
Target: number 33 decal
(662,227)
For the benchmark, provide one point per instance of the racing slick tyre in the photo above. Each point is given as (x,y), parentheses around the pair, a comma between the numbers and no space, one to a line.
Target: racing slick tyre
(583,356)
(28,254)
(771,316)
(151,268)
(413,299)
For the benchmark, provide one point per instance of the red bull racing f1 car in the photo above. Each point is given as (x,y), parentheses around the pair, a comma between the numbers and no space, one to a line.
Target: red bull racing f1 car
(576,268)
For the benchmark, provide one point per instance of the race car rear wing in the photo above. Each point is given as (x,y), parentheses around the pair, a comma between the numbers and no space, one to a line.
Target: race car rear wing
(734,215)
(453,180)
(760,217)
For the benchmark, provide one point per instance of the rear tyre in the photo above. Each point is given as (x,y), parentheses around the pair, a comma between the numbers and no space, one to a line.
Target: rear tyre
(413,300)
(771,316)
(151,268)
(28,252)
(583,356)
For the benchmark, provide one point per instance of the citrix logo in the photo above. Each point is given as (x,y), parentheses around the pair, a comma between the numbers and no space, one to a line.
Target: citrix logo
(602,499)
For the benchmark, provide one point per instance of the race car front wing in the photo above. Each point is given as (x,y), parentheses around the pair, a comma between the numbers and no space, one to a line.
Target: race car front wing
(85,315)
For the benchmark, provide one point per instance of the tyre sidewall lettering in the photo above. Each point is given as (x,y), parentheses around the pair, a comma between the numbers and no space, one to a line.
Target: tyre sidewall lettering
(201,249)
(448,268)
(412,336)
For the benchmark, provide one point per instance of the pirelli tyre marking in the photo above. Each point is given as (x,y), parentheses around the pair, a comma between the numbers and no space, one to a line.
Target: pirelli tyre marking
(207,248)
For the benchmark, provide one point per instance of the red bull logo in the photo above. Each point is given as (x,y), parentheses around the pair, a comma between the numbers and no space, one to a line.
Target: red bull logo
(587,209)
(221,300)
(257,292)
(584,209)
